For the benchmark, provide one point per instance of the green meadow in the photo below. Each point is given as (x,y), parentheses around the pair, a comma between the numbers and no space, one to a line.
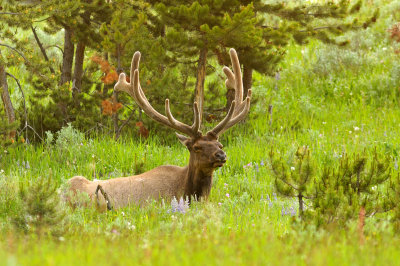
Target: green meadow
(333,100)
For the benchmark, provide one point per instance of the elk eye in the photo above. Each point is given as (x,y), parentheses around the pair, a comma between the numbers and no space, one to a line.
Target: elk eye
(197,148)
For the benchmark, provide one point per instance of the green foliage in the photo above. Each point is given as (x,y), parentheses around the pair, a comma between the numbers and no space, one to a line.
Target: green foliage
(335,193)
(69,137)
(41,212)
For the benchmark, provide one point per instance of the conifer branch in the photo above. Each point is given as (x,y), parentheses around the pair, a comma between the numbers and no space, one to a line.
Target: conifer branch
(15,50)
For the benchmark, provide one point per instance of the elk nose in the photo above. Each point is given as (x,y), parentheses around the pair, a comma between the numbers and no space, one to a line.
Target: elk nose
(220,156)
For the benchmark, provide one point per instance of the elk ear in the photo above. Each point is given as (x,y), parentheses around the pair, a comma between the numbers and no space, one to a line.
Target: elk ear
(183,139)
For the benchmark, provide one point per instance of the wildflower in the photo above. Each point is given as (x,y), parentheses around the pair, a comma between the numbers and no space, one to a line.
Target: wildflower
(256,167)
(374,188)
(114,231)
(396,165)
(61,239)
(122,213)
(93,156)
(292,211)
(350,132)
(384,48)
(356,128)
(26,164)
(131,226)
(275,198)
(283,212)
(320,135)
(219,203)
(324,123)
(292,168)
(262,163)
(182,206)
(227,195)
(247,165)
(1,171)
(225,184)
(270,204)
(268,198)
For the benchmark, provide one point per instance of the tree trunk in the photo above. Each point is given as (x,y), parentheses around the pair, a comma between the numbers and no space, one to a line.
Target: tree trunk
(201,75)
(68,56)
(247,79)
(5,96)
(301,205)
(78,69)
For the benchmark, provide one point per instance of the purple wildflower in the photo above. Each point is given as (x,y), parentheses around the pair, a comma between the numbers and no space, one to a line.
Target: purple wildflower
(275,197)
(182,206)
(292,211)
(262,163)
(256,167)
(283,212)
(227,195)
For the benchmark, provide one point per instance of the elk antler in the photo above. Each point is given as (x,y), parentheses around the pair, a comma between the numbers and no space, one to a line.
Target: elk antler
(239,107)
(135,91)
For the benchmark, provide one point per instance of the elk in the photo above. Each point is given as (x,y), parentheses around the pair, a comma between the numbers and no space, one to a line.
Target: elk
(168,181)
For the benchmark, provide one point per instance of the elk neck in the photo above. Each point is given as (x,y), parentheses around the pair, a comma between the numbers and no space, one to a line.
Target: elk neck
(198,181)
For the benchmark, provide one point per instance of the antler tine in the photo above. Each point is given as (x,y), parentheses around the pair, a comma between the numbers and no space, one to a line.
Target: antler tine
(169,121)
(241,108)
(238,117)
(122,84)
(217,129)
(238,76)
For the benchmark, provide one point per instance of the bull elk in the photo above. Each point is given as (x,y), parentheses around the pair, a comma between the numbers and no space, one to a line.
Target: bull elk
(206,154)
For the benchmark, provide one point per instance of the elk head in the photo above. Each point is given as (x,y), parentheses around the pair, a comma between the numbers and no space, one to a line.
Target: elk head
(206,152)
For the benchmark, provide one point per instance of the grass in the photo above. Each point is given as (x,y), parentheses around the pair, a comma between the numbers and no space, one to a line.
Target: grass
(332,101)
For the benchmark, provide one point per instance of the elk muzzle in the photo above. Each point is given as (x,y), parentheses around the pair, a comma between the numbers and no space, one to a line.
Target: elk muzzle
(220,158)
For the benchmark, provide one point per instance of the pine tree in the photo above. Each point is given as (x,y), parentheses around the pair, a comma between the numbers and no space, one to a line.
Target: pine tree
(297,180)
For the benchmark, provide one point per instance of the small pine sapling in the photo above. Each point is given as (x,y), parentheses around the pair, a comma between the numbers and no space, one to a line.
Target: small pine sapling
(42,212)
(356,184)
(294,181)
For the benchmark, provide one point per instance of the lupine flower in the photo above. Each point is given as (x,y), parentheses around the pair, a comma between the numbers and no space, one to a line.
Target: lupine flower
(182,206)
(268,198)
(292,211)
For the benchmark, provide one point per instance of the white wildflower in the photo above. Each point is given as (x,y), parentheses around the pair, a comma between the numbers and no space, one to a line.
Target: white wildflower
(292,168)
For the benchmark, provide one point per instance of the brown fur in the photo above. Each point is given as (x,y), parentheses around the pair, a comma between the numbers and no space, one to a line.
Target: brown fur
(161,182)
